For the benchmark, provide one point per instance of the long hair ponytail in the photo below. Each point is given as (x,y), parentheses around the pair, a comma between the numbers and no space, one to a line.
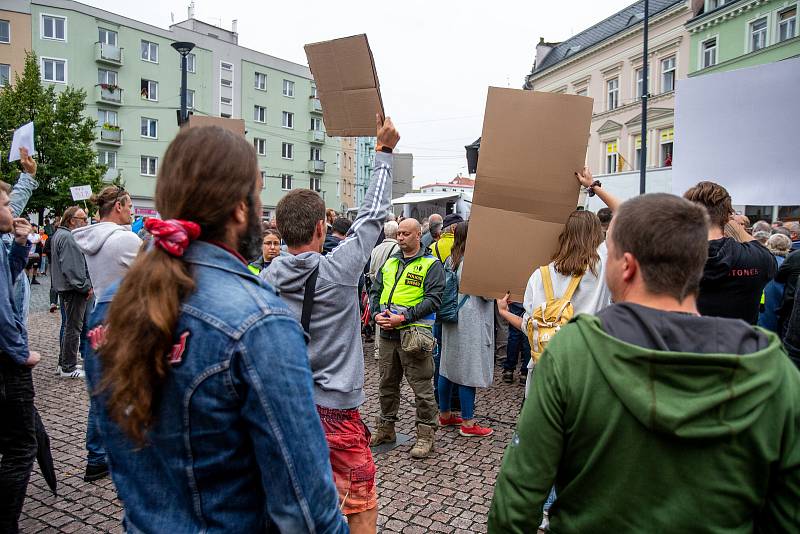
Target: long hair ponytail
(206,173)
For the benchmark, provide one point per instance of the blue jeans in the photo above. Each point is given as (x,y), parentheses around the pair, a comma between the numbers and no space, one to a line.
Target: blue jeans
(517,341)
(437,359)
(466,395)
(95,451)
(550,499)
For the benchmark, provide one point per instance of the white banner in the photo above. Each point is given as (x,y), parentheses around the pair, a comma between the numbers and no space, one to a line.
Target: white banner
(81,192)
(740,129)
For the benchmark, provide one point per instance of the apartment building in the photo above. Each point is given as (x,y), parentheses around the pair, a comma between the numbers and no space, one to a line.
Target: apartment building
(132,78)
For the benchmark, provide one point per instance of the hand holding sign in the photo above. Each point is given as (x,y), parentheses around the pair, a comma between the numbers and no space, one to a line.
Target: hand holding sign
(28,163)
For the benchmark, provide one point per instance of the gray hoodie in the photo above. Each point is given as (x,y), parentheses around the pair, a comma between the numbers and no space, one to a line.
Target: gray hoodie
(109,249)
(335,352)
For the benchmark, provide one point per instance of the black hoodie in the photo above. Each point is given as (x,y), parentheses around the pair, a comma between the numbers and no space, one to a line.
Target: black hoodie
(734,278)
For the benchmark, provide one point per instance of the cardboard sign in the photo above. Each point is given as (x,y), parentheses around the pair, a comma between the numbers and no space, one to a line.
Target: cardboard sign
(347,85)
(81,192)
(234,125)
(532,144)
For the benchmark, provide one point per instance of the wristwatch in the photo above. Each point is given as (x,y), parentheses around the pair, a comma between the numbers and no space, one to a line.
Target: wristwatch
(383,148)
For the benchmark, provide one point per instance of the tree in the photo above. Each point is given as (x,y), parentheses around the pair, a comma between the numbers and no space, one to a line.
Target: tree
(64,138)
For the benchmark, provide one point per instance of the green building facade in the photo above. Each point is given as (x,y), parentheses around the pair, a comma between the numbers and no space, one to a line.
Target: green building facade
(733,34)
(131,75)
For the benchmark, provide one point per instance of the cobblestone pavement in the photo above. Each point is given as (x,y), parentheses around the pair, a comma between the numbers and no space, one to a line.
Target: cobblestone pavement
(448,492)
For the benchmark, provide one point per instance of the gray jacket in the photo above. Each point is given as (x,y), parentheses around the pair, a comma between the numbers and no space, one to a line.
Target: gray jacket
(334,351)
(69,271)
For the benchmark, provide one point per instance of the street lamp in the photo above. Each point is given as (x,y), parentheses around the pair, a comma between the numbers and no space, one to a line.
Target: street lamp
(183,48)
(645,89)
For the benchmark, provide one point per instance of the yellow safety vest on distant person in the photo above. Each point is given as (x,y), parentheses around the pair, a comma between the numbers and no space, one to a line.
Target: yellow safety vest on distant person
(406,289)
(442,248)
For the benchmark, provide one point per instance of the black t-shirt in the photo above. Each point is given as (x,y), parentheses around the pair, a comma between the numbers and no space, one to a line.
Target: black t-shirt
(734,278)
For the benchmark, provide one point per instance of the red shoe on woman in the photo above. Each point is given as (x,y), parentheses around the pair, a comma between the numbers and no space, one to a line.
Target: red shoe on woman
(475,431)
(453,420)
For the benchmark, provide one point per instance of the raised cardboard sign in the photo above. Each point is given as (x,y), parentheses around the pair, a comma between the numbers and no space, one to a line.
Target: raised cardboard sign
(81,192)
(234,125)
(347,85)
(531,146)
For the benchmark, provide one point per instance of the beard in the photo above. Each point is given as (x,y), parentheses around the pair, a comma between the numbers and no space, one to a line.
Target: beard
(251,241)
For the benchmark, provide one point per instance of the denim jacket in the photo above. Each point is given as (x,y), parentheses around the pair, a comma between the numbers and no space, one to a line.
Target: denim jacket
(236,445)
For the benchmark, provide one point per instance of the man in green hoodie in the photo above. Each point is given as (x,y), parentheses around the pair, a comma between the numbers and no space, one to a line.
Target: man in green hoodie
(649,417)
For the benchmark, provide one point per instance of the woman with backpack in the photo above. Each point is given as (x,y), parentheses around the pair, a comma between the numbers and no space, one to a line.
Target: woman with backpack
(573,282)
(467,352)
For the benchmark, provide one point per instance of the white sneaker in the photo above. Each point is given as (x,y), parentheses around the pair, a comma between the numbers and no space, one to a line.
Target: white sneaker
(77,373)
(58,368)
(545,522)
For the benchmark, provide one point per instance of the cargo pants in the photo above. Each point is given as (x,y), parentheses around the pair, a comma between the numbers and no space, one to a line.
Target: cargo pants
(418,370)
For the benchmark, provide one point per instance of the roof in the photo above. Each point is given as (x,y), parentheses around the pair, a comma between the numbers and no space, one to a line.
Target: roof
(702,13)
(416,198)
(616,23)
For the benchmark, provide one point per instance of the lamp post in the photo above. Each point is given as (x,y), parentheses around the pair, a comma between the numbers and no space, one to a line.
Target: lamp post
(183,49)
(645,89)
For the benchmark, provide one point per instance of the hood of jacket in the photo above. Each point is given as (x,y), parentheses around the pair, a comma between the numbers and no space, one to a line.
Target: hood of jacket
(91,238)
(291,272)
(684,394)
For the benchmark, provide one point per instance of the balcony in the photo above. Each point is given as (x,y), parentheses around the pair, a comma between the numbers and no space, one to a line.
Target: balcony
(109,135)
(314,105)
(108,94)
(316,136)
(109,54)
(316,166)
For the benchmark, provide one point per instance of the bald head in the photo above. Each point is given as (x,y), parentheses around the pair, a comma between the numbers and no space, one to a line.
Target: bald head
(409,232)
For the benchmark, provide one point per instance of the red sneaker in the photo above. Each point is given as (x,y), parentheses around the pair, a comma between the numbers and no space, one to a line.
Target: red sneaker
(475,431)
(453,420)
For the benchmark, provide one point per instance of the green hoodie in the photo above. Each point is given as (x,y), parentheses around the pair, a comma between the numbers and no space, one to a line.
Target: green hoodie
(640,440)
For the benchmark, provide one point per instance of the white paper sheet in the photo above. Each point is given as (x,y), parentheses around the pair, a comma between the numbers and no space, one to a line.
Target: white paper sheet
(23,138)
(739,129)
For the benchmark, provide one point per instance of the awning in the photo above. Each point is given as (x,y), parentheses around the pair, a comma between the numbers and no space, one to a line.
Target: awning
(416,198)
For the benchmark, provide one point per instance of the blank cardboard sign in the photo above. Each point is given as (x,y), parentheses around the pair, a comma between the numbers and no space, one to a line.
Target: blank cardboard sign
(347,85)
(531,146)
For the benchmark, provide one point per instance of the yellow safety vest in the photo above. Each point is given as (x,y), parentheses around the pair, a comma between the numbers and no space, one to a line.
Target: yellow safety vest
(403,290)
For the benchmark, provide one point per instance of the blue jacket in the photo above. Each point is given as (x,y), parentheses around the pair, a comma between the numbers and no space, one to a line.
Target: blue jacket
(773,297)
(237,444)
(13,336)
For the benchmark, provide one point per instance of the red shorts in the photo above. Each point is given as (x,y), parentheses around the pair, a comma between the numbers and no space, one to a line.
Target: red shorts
(351,459)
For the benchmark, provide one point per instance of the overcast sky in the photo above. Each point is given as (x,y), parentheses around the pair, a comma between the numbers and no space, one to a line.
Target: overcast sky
(435,59)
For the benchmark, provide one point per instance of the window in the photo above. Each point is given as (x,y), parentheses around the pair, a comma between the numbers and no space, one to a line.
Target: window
(286,180)
(260,114)
(314,184)
(226,66)
(582,92)
(225,83)
(5,31)
(758,34)
(149,51)
(612,157)
(288,88)
(288,119)
(668,74)
(189,99)
(315,155)
(5,74)
(54,70)
(107,77)
(261,146)
(714,4)
(287,151)
(612,90)
(191,62)
(338,188)
(107,158)
(263,179)
(148,165)
(667,139)
(316,124)
(709,51)
(225,100)
(54,27)
(787,24)
(107,36)
(640,82)
(313,91)
(149,128)
(149,90)
(106,116)
(338,159)
(637,153)
(261,81)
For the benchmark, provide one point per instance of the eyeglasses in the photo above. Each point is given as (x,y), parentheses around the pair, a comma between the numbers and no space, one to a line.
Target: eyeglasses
(81,218)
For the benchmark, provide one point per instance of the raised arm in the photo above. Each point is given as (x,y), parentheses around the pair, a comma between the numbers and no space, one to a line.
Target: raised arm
(586,179)
(26,184)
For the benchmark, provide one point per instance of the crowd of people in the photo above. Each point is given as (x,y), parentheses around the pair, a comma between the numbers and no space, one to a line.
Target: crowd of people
(233,388)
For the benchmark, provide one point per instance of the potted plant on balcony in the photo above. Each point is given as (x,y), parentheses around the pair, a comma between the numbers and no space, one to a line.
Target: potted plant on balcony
(110,87)
(111,127)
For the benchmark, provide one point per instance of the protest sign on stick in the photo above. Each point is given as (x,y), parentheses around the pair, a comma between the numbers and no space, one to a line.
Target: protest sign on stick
(531,146)
(347,85)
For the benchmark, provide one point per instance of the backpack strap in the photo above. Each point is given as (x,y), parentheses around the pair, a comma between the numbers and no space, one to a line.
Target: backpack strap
(436,248)
(308,299)
(547,282)
(573,285)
